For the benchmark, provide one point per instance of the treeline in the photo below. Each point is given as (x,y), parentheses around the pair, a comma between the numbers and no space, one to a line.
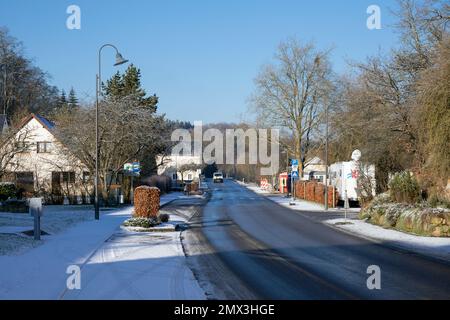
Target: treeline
(394,107)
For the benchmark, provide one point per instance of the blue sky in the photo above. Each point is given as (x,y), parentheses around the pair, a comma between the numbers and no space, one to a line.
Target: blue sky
(200,57)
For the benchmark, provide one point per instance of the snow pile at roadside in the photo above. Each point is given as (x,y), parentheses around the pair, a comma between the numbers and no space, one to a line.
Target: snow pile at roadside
(432,246)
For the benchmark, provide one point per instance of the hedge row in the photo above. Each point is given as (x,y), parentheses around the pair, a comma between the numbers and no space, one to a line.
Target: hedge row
(315,192)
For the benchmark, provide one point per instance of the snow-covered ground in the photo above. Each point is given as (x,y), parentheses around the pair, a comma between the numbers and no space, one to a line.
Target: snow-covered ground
(115,264)
(139,265)
(56,219)
(437,247)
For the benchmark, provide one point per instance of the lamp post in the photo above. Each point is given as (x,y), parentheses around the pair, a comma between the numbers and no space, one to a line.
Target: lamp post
(119,60)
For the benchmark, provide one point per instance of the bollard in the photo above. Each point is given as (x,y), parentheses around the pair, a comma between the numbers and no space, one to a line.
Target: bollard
(36,212)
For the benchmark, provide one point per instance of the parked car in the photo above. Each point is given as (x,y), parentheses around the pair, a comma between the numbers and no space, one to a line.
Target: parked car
(218,177)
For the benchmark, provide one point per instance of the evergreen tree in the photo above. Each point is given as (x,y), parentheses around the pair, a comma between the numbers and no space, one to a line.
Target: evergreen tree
(129,84)
(114,87)
(62,99)
(73,100)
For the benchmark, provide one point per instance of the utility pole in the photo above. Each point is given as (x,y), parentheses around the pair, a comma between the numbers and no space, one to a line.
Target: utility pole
(326,154)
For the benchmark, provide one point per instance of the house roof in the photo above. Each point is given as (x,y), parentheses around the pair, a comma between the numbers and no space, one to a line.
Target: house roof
(44,121)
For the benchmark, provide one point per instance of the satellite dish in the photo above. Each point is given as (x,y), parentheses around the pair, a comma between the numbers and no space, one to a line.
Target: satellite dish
(356,155)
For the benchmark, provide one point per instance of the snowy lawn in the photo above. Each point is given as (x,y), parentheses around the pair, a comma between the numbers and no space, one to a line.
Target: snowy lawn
(436,247)
(55,220)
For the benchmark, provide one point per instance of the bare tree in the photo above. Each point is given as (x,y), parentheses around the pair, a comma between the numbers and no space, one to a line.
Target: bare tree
(12,142)
(290,93)
(126,133)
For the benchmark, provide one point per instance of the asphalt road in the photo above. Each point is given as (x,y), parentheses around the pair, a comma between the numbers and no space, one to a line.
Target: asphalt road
(254,248)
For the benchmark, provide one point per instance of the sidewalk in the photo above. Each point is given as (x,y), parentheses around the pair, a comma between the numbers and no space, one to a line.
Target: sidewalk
(109,258)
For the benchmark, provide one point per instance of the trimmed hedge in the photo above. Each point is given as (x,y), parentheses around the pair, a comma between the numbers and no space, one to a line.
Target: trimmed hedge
(146,202)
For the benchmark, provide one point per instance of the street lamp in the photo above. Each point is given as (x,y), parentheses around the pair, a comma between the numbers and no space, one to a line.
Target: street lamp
(326,155)
(119,60)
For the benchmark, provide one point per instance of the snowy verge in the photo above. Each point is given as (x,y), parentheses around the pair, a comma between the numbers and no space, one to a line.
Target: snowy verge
(429,246)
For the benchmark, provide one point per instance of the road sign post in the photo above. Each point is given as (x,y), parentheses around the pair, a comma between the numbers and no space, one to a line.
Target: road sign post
(294,177)
(132,169)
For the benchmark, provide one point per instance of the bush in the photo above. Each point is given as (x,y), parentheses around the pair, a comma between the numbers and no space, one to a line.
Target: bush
(163,183)
(7,190)
(142,222)
(404,188)
(436,201)
(164,217)
(13,205)
(146,202)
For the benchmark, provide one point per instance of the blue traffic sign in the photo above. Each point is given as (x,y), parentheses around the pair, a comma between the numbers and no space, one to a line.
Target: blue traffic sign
(294,162)
(295,174)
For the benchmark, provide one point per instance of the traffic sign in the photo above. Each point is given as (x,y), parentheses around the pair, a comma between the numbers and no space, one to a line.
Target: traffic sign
(294,162)
(136,167)
(295,175)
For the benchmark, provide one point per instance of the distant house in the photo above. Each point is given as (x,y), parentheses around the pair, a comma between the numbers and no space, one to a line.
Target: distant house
(179,168)
(314,169)
(45,167)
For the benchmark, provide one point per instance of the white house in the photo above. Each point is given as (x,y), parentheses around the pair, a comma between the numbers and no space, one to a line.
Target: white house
(179,168)
(44,166)
(314,169)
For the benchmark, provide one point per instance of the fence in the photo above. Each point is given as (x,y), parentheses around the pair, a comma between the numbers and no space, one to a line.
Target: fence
(315,192)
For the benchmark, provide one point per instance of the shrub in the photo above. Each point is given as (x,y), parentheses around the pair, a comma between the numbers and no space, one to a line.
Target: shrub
(7,190)
(436,201)
(141,222)
(146,202)
(404,188)
(164,217)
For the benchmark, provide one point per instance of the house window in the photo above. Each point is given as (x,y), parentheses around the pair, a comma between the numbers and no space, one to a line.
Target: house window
(68,177)
(43,147)
(22,146)
(190,176)
(25,181)
(174,176)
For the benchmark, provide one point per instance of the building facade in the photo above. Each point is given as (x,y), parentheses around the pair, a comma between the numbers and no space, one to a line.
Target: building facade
(45,167)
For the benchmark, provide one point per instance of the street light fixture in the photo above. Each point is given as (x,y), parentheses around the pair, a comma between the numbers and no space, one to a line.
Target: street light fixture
(119,60)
